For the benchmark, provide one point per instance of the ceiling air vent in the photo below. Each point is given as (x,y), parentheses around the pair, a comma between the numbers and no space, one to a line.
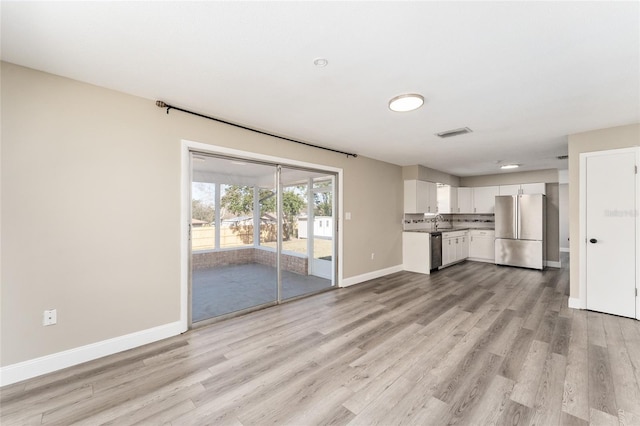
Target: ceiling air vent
(562,157)
(454,132)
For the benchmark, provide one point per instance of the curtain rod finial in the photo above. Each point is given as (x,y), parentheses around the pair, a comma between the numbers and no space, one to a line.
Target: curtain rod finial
(161,104)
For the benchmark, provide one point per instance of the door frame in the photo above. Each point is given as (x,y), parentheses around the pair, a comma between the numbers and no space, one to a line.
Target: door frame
(314,263)
(185,202)
(583,221)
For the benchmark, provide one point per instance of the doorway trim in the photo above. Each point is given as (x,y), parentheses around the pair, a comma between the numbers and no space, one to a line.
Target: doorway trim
(185,200)
(582,300)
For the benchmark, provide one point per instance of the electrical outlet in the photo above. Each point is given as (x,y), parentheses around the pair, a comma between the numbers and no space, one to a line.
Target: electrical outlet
(50,317)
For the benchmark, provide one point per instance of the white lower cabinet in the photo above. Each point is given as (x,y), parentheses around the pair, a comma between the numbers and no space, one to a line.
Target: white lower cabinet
(416,252)
(448,251)
(482,245)
(462,247)
(455,247)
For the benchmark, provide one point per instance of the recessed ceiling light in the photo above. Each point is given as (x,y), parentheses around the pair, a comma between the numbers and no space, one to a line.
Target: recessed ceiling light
(320,62)
(404,103)
(510,166)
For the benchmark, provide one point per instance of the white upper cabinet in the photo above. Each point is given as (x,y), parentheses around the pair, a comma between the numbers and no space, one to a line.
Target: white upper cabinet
(480,199)
(534,188)
(525,188)
(509,189)
(447,199)
(484,199)
(420,196)
(465,200)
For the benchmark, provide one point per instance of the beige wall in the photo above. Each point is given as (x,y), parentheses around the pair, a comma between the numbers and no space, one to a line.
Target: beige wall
(430,175)
(552,240)
(564,216)
(596,140)
(535,176)
(76,155)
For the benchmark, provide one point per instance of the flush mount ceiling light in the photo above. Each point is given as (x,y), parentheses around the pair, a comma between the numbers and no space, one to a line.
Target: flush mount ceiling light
(404,103)
(320,62)
(510,166)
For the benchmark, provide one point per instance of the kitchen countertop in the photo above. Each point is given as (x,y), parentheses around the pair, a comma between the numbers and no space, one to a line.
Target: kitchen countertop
(428,231)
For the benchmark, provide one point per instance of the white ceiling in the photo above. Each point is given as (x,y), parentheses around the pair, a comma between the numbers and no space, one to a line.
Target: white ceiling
(521,75)
(233,172)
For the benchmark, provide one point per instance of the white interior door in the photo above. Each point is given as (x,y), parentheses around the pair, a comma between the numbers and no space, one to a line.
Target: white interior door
(611,233)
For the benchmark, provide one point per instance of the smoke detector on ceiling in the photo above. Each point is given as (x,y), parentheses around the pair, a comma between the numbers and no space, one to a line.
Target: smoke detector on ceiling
(454,132)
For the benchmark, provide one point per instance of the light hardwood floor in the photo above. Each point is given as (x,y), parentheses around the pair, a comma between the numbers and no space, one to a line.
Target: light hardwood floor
(472,344)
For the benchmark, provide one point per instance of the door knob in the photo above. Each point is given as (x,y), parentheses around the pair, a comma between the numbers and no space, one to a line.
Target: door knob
(593,241)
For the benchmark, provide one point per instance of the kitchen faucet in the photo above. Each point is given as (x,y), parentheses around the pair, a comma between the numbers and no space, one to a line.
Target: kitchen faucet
(438,218)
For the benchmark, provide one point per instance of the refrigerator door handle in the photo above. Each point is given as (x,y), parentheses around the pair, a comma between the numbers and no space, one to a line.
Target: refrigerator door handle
(516,217)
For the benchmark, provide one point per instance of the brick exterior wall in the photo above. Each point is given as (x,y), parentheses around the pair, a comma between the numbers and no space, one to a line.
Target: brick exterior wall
(298,265)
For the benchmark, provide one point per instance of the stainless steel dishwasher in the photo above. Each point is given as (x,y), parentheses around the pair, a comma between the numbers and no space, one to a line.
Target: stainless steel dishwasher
(436,249)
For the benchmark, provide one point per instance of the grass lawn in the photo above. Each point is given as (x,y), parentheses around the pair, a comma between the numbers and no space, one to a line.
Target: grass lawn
(321,248)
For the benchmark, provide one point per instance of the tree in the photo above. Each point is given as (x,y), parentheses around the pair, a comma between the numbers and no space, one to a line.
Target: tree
(292,205)
(239,200)
(202,211)
(323,205)
(323,200)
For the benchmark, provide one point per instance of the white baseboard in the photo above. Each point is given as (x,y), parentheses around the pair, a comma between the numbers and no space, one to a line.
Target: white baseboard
(564,249)
(346,282)
(576,303)
(478,259)
(553,264)
(49,363)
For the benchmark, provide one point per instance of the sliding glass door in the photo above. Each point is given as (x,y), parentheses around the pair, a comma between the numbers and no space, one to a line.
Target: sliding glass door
(324,227)
(260,233)
(308,232)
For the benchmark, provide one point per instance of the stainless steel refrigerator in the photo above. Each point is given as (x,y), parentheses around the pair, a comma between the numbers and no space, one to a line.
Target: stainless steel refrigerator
(520,228)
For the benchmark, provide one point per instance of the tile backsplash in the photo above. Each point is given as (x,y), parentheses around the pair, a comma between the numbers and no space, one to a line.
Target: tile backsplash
(428,221)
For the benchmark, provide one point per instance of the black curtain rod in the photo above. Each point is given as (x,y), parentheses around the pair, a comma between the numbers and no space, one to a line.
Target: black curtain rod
(162,104)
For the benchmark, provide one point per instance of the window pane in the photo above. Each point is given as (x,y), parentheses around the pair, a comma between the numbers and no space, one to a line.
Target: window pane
(268,218)
(294,226)
(323,212)
(203,231)
(236,216)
